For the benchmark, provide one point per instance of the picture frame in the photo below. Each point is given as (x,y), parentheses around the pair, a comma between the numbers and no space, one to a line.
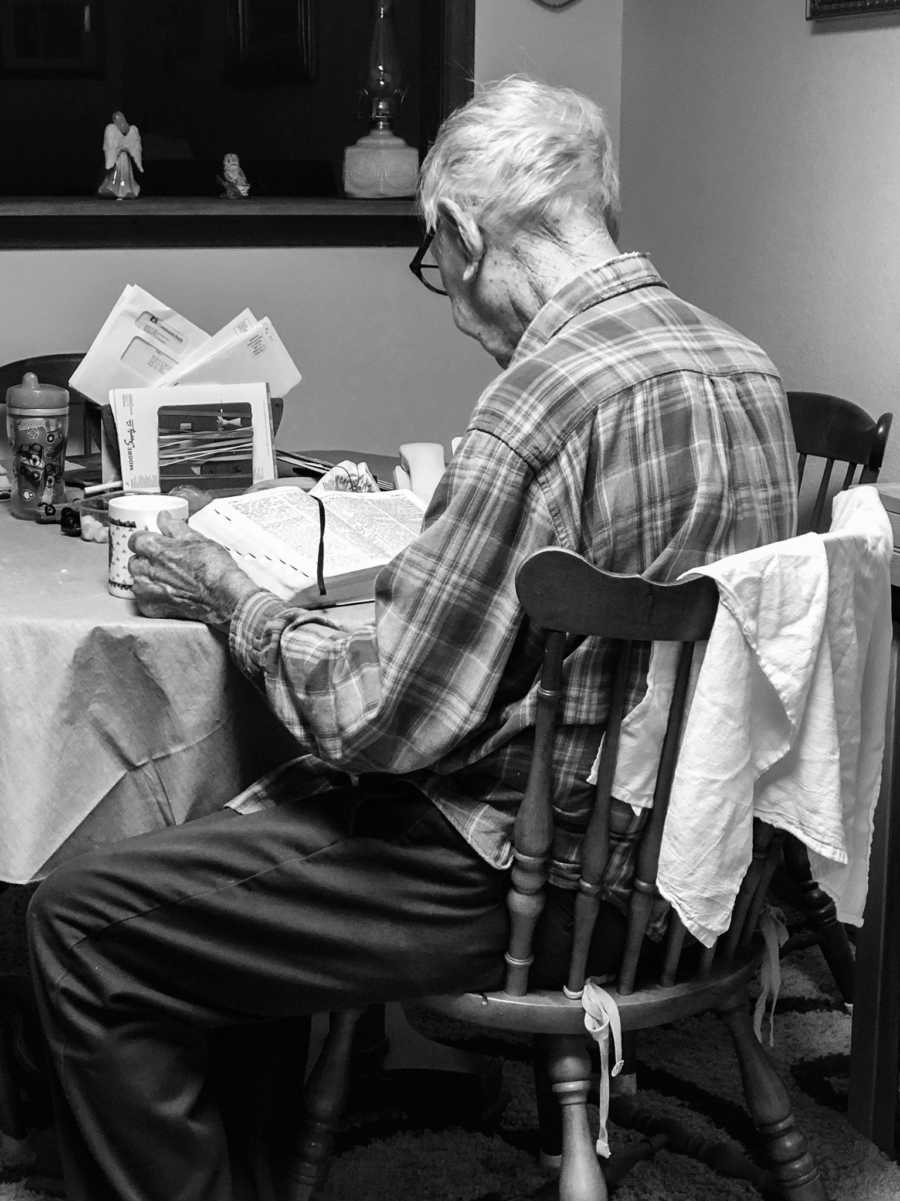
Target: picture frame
(43,39)
(141,425)
(817,10)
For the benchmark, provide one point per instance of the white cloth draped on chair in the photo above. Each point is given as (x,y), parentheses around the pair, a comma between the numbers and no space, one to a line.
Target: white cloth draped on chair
(794,684)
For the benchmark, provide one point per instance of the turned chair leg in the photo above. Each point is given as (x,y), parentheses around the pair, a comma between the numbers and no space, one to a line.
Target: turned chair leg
(771,1111)
(325,1099)
(821,914)
(548,1111)
(567,1063)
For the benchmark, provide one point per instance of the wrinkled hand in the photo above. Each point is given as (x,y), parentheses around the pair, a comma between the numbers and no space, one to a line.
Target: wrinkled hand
(178,573)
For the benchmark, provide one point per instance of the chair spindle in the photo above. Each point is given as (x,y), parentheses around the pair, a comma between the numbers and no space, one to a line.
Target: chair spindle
(674,945)
(533,835)
(822,494)
(644,893)
(595,848)
(762,840)
(707,959)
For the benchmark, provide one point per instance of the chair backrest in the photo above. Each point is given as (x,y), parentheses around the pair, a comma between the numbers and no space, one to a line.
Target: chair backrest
(49,368)
(837,431)
(564,595)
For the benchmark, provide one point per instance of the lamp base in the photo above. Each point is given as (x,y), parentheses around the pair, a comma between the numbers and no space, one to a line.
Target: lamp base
(380,165)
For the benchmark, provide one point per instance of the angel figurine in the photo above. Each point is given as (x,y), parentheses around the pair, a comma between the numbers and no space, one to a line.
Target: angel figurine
(121,153)
(233,179)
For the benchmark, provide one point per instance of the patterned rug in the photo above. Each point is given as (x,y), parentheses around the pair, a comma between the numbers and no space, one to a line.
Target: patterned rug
(428,1146)
(689,1072)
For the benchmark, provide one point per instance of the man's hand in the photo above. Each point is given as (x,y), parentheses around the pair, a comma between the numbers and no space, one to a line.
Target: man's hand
(178,573)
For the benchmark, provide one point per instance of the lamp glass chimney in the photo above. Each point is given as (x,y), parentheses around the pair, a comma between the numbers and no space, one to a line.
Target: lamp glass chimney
(384,81)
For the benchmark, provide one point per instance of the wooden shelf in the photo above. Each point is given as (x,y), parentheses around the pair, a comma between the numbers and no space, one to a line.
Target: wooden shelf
(50,223)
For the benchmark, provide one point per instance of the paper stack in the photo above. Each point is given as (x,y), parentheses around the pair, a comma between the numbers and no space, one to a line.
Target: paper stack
(144,343)
(144,346)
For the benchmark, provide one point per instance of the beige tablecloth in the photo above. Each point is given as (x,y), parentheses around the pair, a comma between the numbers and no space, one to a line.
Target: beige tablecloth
(111,724)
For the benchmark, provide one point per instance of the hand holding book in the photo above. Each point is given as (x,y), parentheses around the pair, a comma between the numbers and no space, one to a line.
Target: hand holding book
(175,573)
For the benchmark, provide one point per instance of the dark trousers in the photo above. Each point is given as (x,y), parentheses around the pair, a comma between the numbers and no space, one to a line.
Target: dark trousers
(147,954)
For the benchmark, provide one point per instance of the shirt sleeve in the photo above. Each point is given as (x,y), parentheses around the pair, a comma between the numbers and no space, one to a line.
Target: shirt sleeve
(399,694)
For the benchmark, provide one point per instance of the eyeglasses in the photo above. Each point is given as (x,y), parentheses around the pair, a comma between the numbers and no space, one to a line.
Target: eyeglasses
(419,267)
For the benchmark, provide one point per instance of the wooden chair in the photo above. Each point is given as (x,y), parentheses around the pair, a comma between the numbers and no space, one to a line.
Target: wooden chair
(828,430)
(564,595)
(836,431)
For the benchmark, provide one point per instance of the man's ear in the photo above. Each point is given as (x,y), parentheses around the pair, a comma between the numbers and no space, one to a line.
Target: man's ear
(467,233)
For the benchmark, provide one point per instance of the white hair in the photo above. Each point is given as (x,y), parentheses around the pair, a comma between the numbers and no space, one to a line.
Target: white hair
(525,154)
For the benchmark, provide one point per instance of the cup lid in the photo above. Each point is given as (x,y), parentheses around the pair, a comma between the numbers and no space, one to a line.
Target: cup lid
(32,394)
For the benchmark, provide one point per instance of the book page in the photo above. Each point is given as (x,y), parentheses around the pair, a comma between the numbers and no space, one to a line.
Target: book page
(282,513)
(258,550)
(382,522)
(292,516)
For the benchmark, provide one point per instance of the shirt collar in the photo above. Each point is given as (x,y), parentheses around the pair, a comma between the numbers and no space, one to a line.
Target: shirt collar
(622,274)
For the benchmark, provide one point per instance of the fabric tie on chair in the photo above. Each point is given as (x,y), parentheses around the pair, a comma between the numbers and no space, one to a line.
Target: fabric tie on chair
(775,935)
(602,1022)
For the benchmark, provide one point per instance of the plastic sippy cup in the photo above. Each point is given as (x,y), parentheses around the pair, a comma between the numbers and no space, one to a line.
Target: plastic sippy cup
(37,422)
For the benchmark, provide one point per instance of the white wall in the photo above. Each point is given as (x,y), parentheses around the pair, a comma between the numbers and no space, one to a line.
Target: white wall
(761,169)
(578,47)
(381,360)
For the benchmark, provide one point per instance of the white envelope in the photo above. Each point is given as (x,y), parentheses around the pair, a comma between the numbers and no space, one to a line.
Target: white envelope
(139,343)
(236,327)
(252,355)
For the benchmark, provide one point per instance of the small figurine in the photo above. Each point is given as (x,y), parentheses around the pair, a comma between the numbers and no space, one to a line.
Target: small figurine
(121,150)
(233,179)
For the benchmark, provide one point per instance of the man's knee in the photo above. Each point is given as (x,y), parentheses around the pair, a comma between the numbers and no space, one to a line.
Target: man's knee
(58,912)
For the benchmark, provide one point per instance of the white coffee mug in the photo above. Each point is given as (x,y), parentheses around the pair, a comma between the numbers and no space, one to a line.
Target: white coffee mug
(134,511)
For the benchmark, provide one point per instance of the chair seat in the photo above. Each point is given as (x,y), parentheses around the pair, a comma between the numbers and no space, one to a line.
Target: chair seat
(546,1011)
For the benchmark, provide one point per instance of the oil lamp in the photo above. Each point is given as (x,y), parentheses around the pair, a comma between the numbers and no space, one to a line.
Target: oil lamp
(381,164)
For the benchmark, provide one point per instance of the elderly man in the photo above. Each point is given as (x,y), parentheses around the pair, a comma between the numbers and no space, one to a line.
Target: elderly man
(626,425)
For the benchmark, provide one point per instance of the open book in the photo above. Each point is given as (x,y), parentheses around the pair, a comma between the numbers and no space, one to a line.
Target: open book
(295,543)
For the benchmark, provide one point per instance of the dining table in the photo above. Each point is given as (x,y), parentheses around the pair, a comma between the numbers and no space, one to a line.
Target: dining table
(111,723)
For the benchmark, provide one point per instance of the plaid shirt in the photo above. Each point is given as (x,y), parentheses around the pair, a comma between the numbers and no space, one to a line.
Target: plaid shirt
(629,427)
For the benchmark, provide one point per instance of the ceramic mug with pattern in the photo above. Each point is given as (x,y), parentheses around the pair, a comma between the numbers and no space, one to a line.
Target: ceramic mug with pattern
(127,513)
